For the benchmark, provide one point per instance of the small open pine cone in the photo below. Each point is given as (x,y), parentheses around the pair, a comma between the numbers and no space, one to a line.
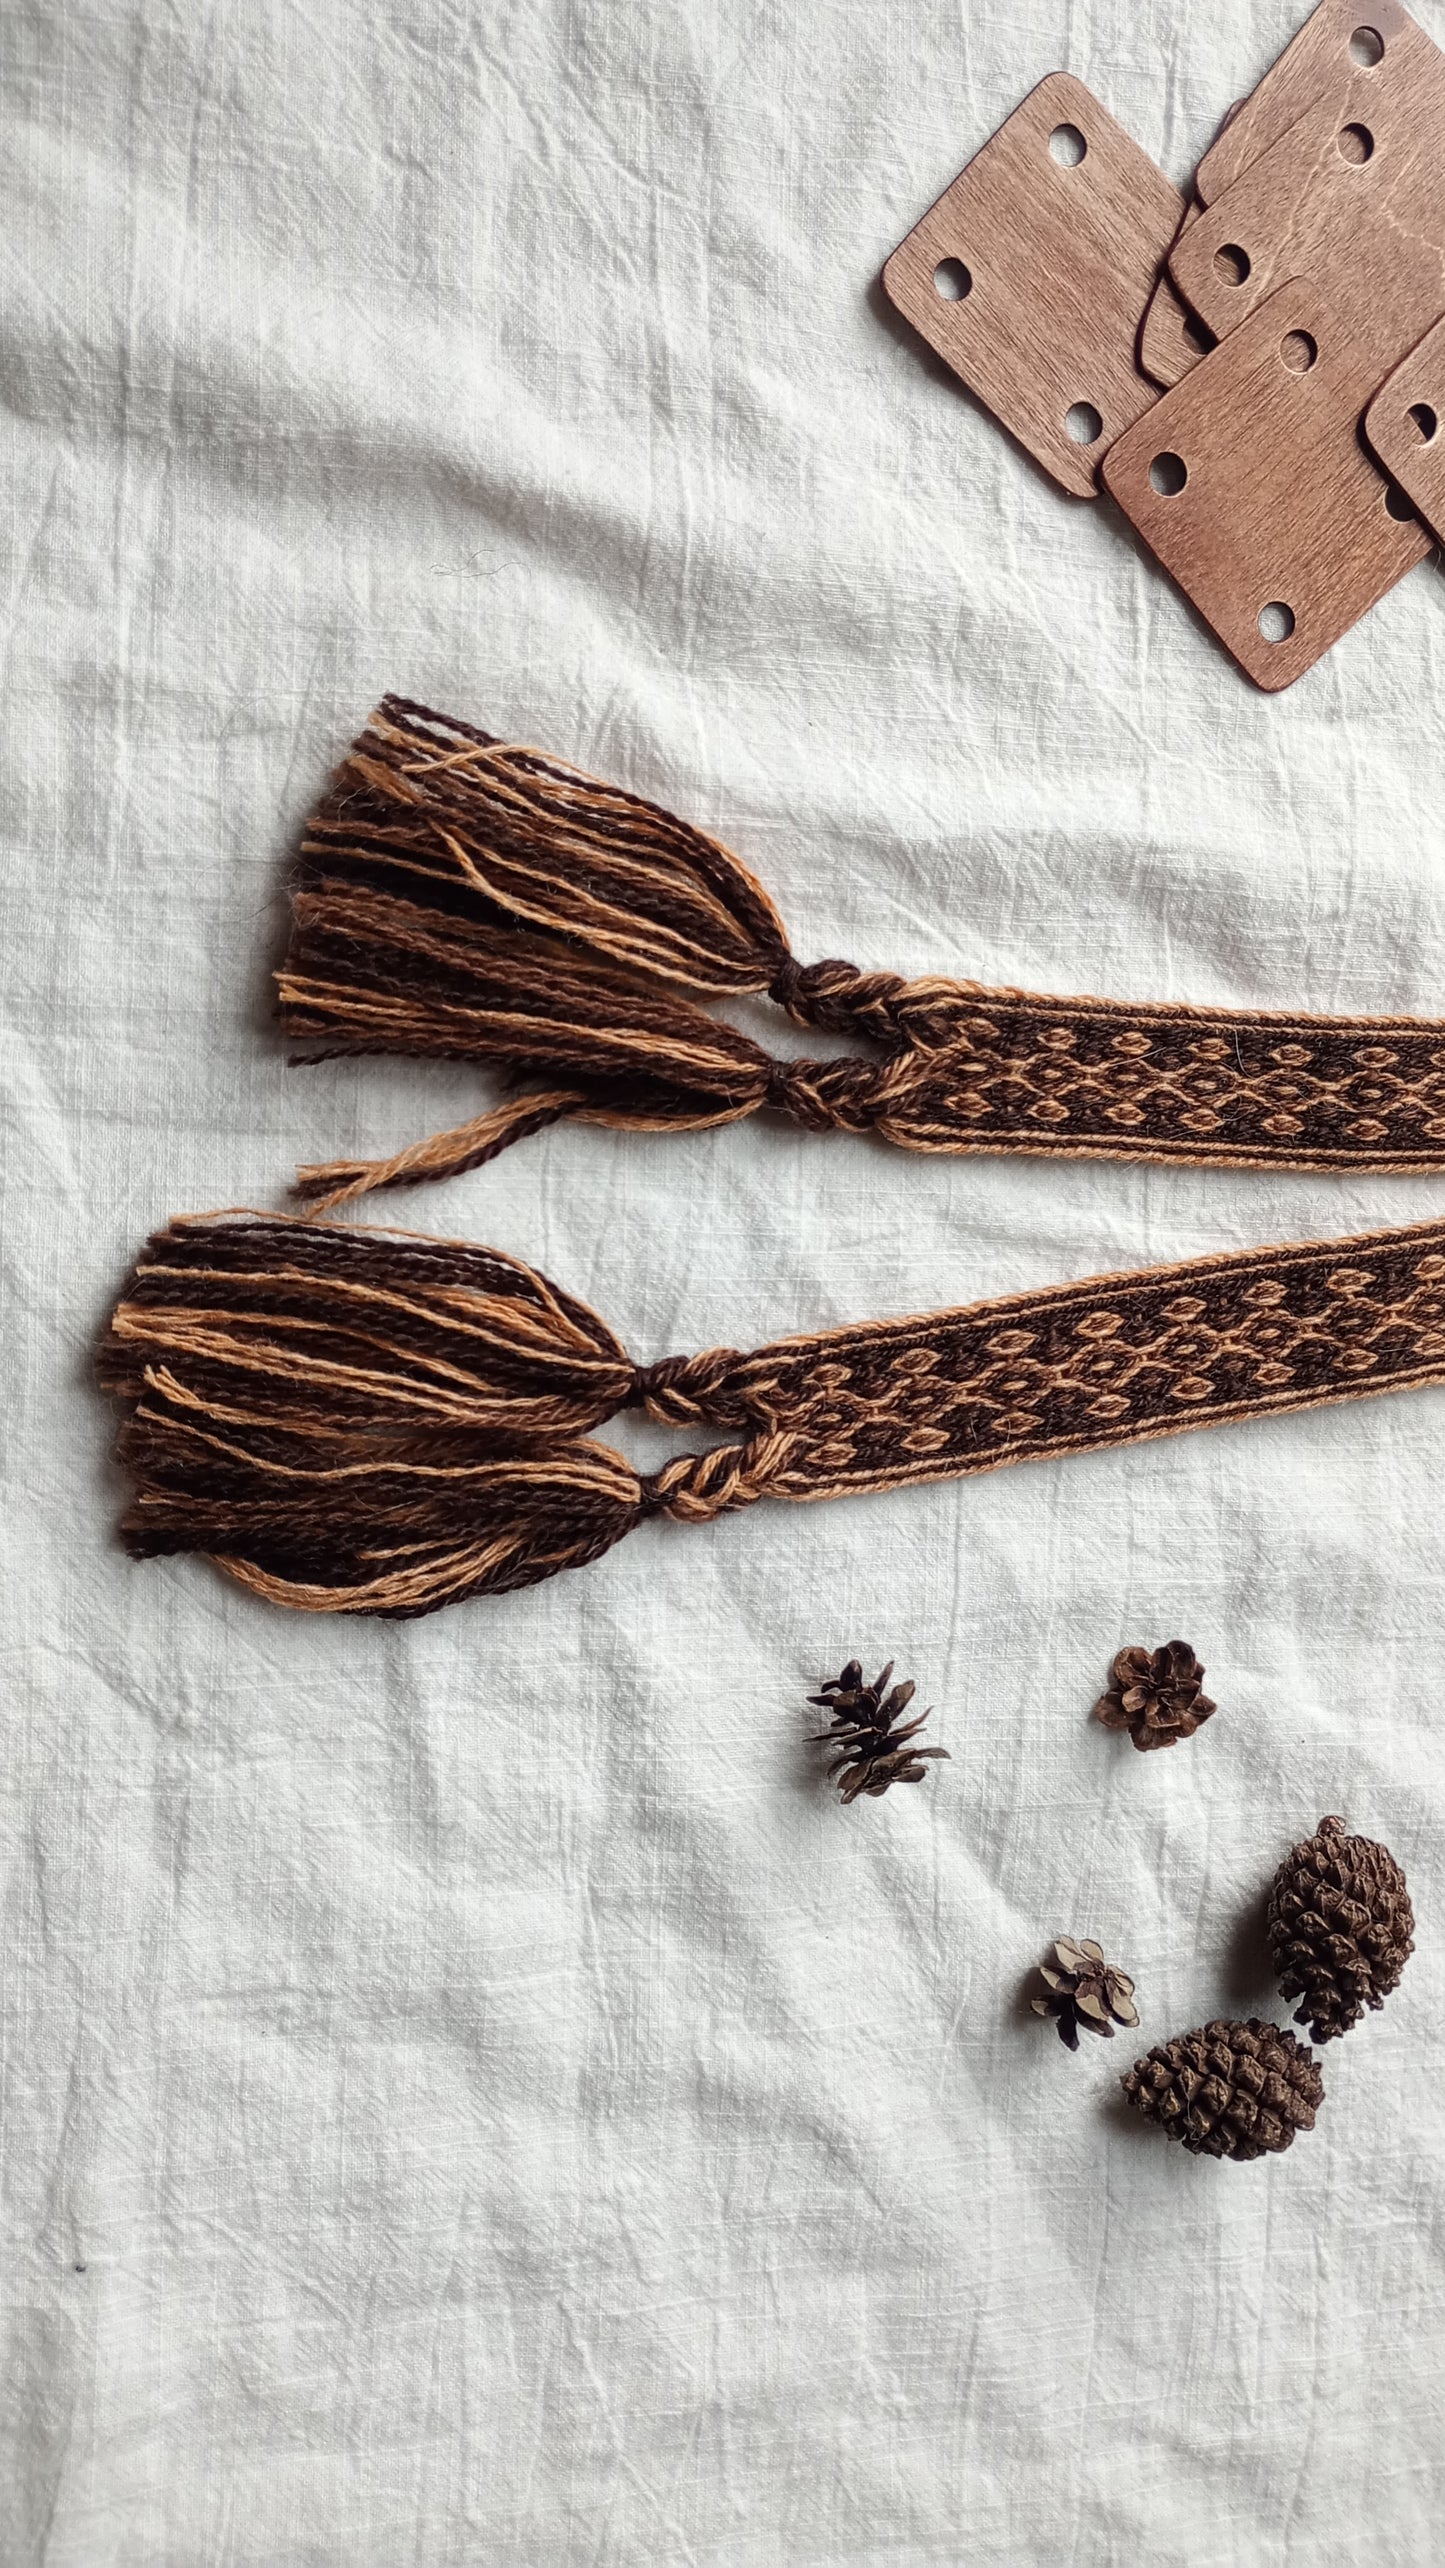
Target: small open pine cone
(1157,1695)
(1086,1994)
(878,1745)
(1229,2090)
(1340,1926)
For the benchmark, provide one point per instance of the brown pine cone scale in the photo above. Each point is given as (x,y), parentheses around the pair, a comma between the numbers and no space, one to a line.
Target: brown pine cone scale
(1085,1993)
(1156,1695)
(1340,1927)
(878,1748)
(1229,2090)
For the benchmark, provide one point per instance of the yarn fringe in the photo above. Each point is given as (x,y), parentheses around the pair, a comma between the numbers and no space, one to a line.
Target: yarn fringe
(458,897)
(373,1422)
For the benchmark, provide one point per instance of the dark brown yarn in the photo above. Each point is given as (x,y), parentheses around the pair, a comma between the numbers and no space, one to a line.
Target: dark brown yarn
(459,897)
(372,1422)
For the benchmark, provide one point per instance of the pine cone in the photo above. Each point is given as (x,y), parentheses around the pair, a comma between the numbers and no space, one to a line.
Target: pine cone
(1085,1992)
(1340,1926)
(1158,1695)
(875,1753)
(1229,2090)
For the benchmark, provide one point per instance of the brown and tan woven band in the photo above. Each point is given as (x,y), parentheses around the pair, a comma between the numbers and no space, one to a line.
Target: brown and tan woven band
(371,1422)
(461,898)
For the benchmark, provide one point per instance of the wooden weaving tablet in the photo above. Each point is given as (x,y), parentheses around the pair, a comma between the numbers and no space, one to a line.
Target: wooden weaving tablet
(1250,483)
(1352,197)
(1030,275)
(1405,424)
(1342,38)
(1171,340)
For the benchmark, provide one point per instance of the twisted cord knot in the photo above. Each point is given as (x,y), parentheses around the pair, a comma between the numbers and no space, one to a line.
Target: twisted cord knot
(696,1487)
(787,984)
(925,1016)
(839,999)
(793,1089)
(843,1095)
(691,1390)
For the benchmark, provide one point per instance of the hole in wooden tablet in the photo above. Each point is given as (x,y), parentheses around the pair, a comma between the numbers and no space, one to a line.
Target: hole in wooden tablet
(1231,264)
(952,281)
(1357,145)
(1299,351)
(1068,146)
(1168,475)
(1084,424)
(1397,505)
(1367,48)
(1276,621)
(1425,420)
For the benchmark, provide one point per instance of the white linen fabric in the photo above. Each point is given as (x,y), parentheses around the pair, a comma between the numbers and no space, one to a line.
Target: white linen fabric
(470,2094)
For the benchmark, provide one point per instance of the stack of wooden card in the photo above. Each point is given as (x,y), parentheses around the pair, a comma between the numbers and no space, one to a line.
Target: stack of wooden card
(1256,375)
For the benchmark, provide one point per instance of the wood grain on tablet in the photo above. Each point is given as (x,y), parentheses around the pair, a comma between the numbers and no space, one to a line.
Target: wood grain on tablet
(1341,38)
(1250,483)
(1030,276)
(1405,424)
(1172,339)
(1352,197)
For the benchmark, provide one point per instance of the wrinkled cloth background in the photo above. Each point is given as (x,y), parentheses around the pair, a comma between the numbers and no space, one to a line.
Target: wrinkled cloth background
(469,2093)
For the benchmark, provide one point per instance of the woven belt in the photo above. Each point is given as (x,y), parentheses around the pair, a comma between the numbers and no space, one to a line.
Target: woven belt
(463,898)
(373,1422)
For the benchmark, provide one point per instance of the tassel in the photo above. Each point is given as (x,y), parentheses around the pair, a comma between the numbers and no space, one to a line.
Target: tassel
(464,899)
(370,1422)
